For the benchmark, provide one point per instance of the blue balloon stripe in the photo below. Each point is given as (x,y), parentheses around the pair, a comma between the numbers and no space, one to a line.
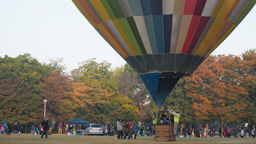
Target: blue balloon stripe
(135,7)
(156,7)
(167,32)
(146,7)
(159,33)
(151,33)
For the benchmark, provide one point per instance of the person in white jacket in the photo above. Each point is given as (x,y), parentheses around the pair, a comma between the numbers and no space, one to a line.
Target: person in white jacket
(119,129)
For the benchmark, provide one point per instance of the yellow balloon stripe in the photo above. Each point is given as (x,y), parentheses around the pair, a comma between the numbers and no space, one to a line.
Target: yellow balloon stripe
(217,9)
(218,37)
(122,33)
(219,22)
(222,39)
(214,30)
(100,9)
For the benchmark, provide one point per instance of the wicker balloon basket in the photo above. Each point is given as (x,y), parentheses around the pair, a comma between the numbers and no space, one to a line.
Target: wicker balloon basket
(164,133)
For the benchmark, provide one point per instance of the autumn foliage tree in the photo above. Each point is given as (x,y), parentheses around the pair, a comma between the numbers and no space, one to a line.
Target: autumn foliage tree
(216,90)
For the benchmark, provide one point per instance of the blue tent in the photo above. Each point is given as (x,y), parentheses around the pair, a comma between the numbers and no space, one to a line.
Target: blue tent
(77,121)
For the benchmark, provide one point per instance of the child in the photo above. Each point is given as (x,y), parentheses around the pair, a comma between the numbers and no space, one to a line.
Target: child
(130,132)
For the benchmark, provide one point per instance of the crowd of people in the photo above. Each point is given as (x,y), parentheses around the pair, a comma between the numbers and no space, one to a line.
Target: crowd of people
(130,130)
(9,128)
(226,132)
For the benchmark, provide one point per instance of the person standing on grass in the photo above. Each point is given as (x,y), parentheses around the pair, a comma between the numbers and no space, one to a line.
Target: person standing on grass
(119,128)
(176,116)
(247,131)
(32,129)
(10,128)
(242,132)
(45,126)
(126,130)
(1,129)
(253,131)
(60,126)
(134,126)
(15,128)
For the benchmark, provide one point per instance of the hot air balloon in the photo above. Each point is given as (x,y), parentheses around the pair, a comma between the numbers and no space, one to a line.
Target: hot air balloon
(163,40)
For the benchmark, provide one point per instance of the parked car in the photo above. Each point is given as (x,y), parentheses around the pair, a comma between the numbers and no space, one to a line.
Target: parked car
(94,129)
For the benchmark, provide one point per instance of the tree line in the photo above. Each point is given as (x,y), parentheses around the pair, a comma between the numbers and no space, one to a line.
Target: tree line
(222,89)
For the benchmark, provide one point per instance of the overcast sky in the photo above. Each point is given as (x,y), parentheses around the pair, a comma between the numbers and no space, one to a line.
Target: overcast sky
(50,29)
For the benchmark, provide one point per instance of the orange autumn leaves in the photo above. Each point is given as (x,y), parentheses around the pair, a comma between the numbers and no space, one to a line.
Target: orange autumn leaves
(220,87)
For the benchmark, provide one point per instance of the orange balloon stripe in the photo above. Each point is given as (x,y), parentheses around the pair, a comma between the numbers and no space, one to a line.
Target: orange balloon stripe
(111,39)
(115,39)
(89,11)
(84,12)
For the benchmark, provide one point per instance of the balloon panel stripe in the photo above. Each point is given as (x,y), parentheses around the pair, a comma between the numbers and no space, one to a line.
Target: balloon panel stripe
(238,10)
(99,8)
(209,7)
(151,32)
(190,6)
(158,29)
(156,7)
(214,30)
(89,11)
(179,7)
(226,7)
(219,35)
(217,26)
(141,26)
(232,10)
(84,13)
(112,36)
(206,30)
(108,9)
(118,36)
(191,32)
(176,23)
(135,6)
(116,8)
(136,34)
(199,7)
(112,44)
(146,7)
(185,22)
(129,34)
(167,32)
(200,28)
(245,12)
(168,7)
(126,8)
(217,8)
(222,39)
(123,35)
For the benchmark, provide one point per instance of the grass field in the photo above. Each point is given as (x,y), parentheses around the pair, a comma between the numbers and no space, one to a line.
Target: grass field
(63,139)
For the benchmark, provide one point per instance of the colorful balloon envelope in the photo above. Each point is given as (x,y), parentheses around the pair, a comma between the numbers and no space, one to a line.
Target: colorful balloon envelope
(163,40)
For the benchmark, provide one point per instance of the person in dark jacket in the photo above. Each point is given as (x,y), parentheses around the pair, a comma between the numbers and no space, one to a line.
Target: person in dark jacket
(15,128)
(10,126)
(45,126)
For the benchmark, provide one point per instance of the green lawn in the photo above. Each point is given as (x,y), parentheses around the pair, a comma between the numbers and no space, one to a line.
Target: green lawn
(63,139)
